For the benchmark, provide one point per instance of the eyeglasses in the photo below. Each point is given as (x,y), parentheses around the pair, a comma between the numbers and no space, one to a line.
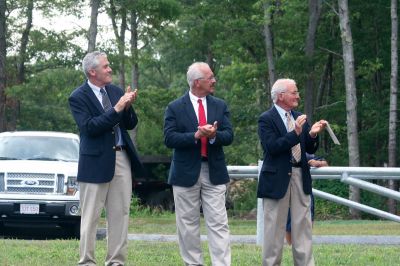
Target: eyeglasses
(294,93)
(209,79)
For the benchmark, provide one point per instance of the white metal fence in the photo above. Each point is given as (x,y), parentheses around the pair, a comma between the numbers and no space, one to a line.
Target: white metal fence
(354,176)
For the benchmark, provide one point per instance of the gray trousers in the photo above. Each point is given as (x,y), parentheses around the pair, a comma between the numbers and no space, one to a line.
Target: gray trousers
(115,197)
(187,210)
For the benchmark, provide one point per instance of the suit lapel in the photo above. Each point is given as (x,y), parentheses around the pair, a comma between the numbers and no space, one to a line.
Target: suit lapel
(278,121)
(189,110)
(211,110)
(92,97)
(296,114)
(111,95)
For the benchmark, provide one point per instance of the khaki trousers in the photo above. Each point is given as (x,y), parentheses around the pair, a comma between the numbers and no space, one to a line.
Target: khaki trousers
(187,210)
(115,197)
(275,217)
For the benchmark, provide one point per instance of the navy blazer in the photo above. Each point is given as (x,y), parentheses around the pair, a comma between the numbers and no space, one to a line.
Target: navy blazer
(96,153)
(277,143)
(180,125)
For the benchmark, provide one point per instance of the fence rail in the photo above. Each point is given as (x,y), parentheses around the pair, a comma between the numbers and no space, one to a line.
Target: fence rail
(329,172)
(353,176)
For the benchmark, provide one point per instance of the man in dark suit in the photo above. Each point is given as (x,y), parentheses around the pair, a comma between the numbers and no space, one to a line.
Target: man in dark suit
(196,127)
(285,179)
(107,158)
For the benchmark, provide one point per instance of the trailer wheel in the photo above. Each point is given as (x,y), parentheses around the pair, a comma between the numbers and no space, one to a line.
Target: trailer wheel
(162,199)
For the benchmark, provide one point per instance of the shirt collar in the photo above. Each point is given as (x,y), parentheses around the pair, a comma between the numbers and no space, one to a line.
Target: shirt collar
(94,88)
(194,98)
(281,111)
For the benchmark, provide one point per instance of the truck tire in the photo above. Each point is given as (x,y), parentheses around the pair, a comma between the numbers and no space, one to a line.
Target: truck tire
(2,229)
(73,230)
(77,230)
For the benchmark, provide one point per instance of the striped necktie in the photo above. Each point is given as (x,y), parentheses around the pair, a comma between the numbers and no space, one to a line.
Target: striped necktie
(296,150)
(107,106)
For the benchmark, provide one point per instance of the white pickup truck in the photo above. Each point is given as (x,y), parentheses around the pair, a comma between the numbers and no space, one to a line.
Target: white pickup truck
(38,185)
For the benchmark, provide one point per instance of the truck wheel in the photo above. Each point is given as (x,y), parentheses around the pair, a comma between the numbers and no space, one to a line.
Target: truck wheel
(76,233)
(74,230)
(162,199)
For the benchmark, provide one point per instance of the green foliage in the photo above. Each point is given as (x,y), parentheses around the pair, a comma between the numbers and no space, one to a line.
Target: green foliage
(244,97)
(325,210)
(44,100)
(229,35)
(139,210)
(150,108)
(242,195)
(374,200)
(157,12)
(50,49)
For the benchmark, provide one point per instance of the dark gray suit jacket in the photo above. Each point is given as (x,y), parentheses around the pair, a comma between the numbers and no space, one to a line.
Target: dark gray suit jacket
(180,125)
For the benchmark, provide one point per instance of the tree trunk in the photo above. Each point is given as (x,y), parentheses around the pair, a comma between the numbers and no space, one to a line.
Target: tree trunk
(3,56)
(95,4)
(314,9)
(121,50)
(268,41)
(351,97)
(135,65)
(120,37)
(210,58)
(13,104)
(134,50)
(324,82)
(24,44)
(392,142)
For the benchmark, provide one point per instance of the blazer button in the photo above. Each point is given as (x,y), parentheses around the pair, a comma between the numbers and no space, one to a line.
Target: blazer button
(112,132)
(289,174)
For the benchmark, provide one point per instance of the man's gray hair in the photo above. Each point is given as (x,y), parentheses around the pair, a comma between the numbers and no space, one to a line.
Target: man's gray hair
(281,85)
(195,72)
(91,61)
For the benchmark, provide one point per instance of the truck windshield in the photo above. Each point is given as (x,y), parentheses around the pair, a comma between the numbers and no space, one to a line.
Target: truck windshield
(45,148)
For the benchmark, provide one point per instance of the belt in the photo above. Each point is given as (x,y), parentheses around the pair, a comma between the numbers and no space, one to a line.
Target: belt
(296,165)
(119,148)
(204,159)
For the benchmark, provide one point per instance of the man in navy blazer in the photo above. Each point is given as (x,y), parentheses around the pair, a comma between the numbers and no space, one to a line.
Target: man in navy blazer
(198,170)
(285,179)
(107,158)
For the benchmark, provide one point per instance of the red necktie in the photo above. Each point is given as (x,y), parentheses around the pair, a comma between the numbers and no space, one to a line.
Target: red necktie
(202,122)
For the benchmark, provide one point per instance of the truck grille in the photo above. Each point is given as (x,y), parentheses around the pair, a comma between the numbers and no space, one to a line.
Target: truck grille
(33,183)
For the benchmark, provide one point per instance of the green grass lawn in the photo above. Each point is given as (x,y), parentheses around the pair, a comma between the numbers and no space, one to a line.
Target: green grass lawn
(356,227)
(142,253)
(165,224)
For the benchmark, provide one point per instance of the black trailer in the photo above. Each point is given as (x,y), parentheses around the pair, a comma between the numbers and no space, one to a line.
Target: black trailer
(152,189)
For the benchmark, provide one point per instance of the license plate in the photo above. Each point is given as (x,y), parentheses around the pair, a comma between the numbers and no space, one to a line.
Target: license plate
(29,208)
